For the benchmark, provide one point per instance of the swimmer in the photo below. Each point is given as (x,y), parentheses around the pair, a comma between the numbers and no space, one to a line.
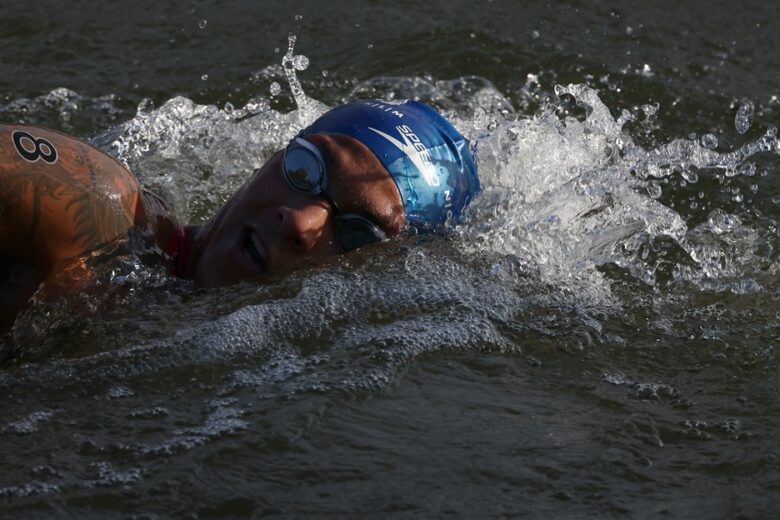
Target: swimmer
(362,173)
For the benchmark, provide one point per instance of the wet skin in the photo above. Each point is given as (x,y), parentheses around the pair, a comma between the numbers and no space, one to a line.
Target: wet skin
(269,226)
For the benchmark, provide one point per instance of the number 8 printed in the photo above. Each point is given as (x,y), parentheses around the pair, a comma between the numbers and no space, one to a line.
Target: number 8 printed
(43,149)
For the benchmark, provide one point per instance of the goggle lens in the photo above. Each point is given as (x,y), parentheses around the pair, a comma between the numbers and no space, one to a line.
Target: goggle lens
(353,232)
(304,168)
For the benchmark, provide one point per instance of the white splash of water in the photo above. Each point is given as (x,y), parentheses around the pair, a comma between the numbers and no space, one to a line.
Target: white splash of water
(196,156)
(565,196)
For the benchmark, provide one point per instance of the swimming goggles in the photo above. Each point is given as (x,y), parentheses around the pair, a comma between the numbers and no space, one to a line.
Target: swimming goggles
(305,170)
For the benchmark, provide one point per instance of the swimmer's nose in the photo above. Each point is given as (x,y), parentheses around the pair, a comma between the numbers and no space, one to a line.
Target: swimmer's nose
(303,225)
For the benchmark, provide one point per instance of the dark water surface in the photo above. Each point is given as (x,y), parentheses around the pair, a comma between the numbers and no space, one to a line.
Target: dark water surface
(596,340)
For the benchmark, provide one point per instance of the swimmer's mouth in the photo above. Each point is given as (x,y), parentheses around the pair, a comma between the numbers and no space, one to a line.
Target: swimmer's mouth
(255,249)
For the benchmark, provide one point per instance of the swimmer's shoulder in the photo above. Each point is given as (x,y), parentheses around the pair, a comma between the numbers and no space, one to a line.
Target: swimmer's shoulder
(61,199)
(60,196)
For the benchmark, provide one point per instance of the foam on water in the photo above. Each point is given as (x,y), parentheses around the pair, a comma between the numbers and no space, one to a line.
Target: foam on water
(65,109)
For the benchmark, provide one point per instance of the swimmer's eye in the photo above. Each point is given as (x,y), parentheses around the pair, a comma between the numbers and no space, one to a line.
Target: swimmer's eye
(304,168)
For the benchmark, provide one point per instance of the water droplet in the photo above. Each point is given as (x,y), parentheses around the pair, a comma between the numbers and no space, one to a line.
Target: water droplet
(203,23)
(276,50)
(300,62)
(709,141)
(744,117)
(370,45)
(654,189)
(290,63)
(694,204)
(204,77)
(651,109)
(324,73)
(298,17)
(535,34)
(145,106)
(275,89)
(690,176)
(229,107)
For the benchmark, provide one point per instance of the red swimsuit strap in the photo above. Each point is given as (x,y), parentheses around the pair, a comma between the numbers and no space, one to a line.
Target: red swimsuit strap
(179,251)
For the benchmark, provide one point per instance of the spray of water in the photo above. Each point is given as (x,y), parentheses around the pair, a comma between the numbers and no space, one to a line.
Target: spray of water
(564,196)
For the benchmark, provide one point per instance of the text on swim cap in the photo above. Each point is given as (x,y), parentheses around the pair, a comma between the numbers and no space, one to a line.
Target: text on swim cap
(385,107)
(415,150)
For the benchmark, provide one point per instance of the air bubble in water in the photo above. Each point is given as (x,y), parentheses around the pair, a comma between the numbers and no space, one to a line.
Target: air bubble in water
(300,62)
(203,23)
(298,17)
(204,77)
(709,141)
(275,89)
(744,116)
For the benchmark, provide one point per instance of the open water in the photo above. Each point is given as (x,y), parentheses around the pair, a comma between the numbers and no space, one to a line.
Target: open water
(598,339)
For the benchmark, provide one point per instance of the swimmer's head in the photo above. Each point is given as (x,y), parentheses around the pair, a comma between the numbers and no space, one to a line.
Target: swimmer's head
(361,173)
(428,159)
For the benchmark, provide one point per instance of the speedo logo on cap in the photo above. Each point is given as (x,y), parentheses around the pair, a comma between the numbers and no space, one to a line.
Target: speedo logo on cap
(415,150)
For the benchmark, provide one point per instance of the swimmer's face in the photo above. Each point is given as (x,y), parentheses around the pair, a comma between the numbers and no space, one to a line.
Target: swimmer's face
(268,226)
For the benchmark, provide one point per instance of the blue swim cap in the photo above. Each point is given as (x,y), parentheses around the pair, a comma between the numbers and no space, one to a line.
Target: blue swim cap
(425,155)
